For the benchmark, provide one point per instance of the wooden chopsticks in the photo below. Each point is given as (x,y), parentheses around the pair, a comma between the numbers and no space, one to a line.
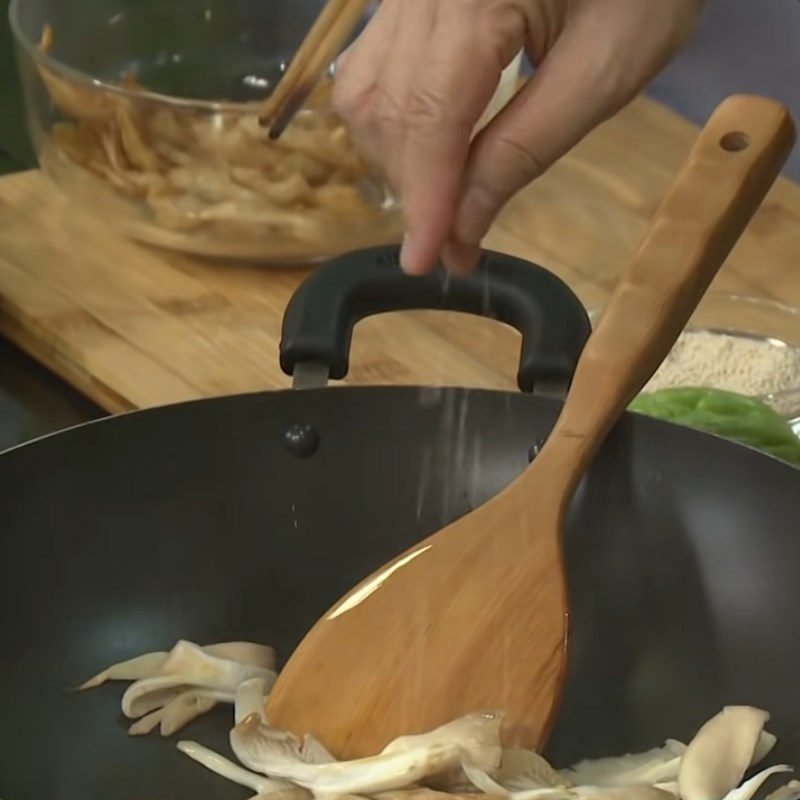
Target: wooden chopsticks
(320,47)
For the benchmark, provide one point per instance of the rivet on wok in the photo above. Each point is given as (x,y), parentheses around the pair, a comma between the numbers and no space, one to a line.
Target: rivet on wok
(302,440)
(535,448)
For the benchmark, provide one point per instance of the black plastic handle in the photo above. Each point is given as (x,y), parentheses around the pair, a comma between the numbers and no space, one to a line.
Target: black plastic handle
(319,320)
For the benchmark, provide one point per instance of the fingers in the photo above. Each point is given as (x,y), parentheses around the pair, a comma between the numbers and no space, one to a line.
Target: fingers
(399,73)
(559,105)
(440,112)
(583,80)
(357,75)
(416,82)
(412,93)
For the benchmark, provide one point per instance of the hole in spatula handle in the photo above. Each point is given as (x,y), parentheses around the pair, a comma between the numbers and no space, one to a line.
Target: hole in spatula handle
(734,141)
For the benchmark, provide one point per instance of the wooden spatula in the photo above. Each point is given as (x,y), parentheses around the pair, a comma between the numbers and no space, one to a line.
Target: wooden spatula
(475,617)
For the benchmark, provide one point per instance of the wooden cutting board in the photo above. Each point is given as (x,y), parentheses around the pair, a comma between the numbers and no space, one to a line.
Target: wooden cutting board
(134,327)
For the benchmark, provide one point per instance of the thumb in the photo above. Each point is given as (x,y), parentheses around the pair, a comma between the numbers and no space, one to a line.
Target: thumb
(572,91)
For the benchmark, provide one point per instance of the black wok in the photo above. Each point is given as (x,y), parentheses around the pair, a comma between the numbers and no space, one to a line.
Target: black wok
(245,517)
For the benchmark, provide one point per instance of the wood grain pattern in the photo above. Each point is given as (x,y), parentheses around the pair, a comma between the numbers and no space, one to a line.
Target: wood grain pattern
(475,616)
(134,327)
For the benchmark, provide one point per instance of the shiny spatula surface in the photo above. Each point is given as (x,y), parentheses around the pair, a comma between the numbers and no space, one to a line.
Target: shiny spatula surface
(475,616)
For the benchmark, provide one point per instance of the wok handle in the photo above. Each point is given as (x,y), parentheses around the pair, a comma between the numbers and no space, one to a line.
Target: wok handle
(319,320)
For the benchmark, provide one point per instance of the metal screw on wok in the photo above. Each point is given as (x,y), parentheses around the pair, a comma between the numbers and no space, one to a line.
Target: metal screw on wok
(301,440)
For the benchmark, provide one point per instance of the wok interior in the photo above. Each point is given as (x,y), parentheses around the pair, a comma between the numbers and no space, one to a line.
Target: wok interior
(197,522)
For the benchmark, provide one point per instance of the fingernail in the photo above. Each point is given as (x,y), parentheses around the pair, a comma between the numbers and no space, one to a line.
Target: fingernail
(410,257)
(475,215)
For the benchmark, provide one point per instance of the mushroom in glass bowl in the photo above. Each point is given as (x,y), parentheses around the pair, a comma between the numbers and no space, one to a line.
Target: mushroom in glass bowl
(146,115)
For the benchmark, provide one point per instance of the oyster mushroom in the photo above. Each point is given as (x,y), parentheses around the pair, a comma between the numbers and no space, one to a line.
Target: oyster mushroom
(188,666)
(659,765)
(751,786)
(401,764)
(251,695)
(133,669)
(522,773)
(263,787)
(171,689)
(622,793)
(314,752)
(149,664)
(721,751)
(477,735)
(188,171)
(180,710)
(140,155)
(257,655)
(73,98)
(790,791)
(462,756)
(525,769)
(419,793)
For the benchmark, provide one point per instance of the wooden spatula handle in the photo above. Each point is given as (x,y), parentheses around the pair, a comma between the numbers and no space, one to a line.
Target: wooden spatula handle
(736,158)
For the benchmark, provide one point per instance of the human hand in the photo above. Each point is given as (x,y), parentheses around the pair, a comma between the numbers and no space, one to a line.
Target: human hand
(415,83)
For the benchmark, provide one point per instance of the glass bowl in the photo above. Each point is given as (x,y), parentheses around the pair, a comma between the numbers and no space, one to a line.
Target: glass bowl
(769,322)
(146,114)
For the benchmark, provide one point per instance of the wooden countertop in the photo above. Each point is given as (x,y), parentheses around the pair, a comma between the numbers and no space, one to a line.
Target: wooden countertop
(134,327)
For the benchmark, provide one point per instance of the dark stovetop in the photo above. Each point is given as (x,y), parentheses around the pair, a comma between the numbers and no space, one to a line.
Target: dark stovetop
(33,401)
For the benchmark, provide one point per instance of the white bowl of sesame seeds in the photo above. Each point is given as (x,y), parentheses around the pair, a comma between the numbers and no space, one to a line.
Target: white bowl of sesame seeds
(742,344)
